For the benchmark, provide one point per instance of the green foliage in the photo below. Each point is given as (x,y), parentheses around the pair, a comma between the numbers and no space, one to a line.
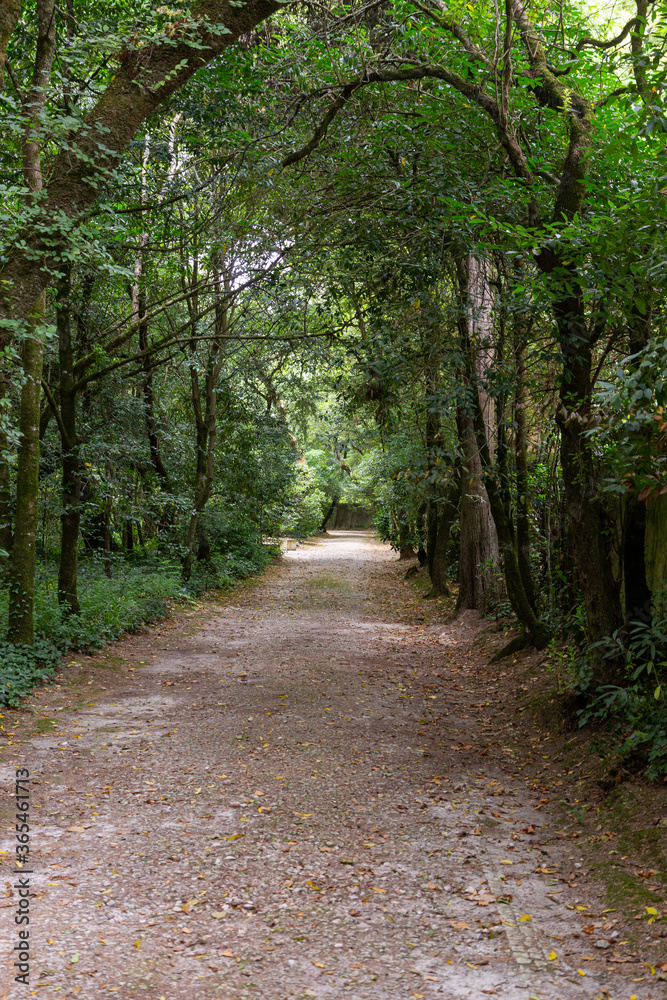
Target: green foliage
(632,423)
(637,710)
(307,504)
(22,668)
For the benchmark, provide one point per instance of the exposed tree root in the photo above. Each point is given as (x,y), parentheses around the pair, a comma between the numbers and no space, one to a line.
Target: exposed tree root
(513,646)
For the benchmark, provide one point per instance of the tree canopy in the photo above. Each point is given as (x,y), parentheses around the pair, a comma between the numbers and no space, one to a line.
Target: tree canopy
(262,261)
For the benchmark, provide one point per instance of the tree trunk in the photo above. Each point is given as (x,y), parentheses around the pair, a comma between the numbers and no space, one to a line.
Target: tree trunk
(206,415)
(204,545)
(10,12)
(139,317)
(405,549)
(446,511)
(5,492)
(71,478)
(587,519)
(638,594)
(479,555)
(520,447)
(323,526)
(186,569)
(22,573)
(107,537)
(538,632)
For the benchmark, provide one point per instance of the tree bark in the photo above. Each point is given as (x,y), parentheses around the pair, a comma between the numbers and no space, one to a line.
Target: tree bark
(10,11)
(140,319)
(479,555)
(537,630)
(637,592)
(206,414)
(586,515)
(108,540)
(22,573)
(325,519)
(521,458)
(71,478)
(446,511)
(5,489)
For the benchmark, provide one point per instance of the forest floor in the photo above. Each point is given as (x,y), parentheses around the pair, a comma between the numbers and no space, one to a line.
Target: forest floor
(316,787)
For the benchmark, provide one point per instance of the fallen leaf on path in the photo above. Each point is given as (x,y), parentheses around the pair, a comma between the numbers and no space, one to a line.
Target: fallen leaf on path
(319,965)
(75,829)
(375,889)
(218,915)
(459,925)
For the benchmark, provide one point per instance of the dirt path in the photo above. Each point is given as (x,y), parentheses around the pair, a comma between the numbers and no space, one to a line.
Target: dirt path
(309,793)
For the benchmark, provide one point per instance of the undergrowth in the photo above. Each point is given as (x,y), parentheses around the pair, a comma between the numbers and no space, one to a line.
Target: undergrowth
(138,592)
(635,711)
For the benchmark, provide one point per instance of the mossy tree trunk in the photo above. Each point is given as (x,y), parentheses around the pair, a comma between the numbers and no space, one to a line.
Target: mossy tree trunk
(22,572)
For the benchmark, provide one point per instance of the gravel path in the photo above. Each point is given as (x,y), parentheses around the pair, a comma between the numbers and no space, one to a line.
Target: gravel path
(310,793)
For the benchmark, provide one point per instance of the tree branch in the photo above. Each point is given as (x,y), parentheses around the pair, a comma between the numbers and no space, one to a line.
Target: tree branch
(472,91)
(596,43)
(321,130)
